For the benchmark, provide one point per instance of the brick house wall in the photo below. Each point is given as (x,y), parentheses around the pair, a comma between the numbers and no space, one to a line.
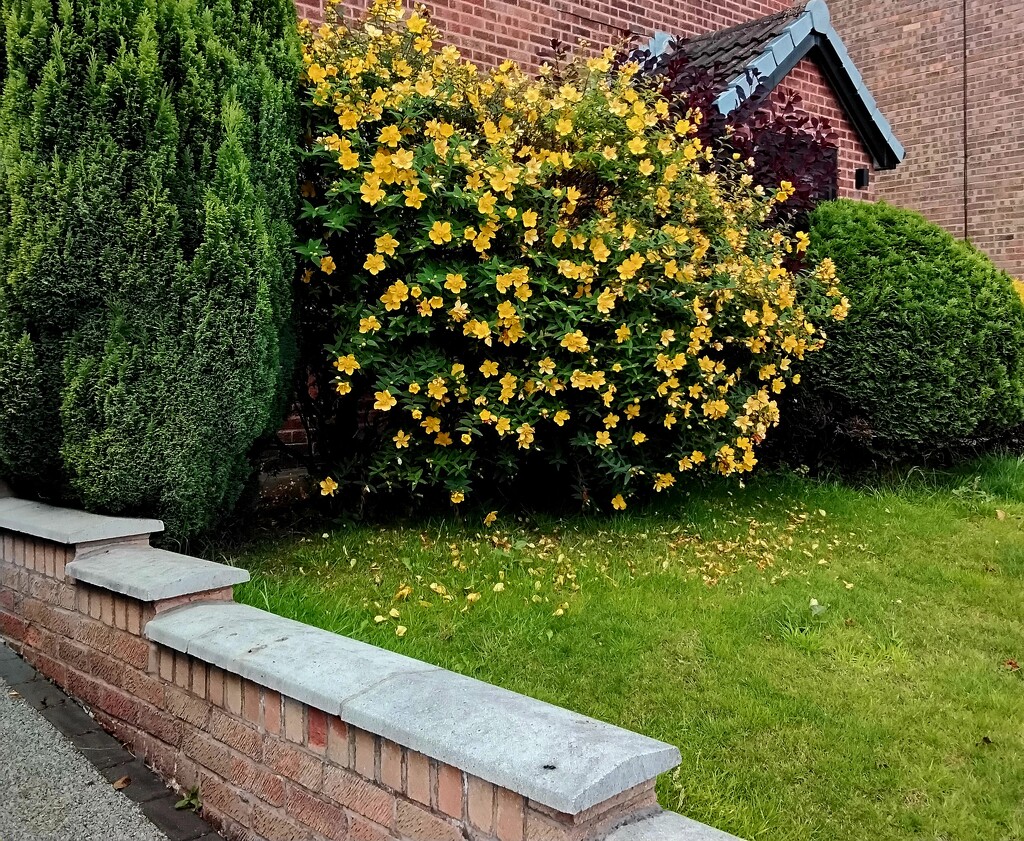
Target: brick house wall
(912,57)
(490,31)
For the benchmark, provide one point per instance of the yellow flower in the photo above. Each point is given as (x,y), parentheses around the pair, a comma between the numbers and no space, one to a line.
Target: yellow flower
(327,265)
(437,389)
(402,439)
(343,387)
(561,416)
(630,266)
(786,189)
(385,401)
(603,439)
(606,301)
(506,311)
(487,203)
(414,197)
(328,486)
(454,283)
(646,167)
(618,503)
(489,369)
(370,324)
(611,420)
(348,159)
(637,145)
(347,364)
(316,73)
(400,630)
(563,126)
(416,24)
(457,497)
(390,136)
(491,518)
(575,342)
(431,425)
(663,481)
(372,192)
(403,159)
(414,388)
(667,337)
(529,219)
(622,334)
(503,426)
(443,439)
(802,241)
(716,409)
(441,232)
(374,264)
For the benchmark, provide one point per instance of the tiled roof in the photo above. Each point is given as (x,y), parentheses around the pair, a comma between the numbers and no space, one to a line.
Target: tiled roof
(728,51)
(764,51)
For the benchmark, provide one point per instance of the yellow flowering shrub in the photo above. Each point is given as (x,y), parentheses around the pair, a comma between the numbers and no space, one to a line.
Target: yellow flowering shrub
(511,265)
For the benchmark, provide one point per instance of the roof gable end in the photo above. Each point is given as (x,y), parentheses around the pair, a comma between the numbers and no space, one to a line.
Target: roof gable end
(764,51)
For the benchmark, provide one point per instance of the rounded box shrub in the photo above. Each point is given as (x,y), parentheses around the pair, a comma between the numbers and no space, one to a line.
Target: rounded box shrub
(502,266)
(932,353)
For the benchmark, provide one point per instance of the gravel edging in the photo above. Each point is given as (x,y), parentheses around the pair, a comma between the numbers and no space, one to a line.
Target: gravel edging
(57,767)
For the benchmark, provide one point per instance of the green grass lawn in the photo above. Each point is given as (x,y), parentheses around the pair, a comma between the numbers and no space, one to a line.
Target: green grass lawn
(833,663)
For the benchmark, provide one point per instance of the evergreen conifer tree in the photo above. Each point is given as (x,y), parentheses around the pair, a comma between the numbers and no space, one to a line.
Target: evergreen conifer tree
(148,168)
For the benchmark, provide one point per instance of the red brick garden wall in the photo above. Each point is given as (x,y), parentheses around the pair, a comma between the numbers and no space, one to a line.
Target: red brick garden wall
(267,766)
(911,56)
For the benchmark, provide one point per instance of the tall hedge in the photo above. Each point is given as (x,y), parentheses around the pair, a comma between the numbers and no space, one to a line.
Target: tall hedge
(147,183)
(932,353)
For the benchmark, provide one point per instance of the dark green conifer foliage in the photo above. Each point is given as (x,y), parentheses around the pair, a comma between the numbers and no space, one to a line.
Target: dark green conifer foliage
(148,168)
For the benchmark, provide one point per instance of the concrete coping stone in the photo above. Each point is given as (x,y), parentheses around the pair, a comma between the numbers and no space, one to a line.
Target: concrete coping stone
(558,758)
(67,525)
(151,575)
(669,826)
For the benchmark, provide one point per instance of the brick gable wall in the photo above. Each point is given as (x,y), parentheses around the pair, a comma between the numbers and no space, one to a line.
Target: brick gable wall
(911,56)
(807,80)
